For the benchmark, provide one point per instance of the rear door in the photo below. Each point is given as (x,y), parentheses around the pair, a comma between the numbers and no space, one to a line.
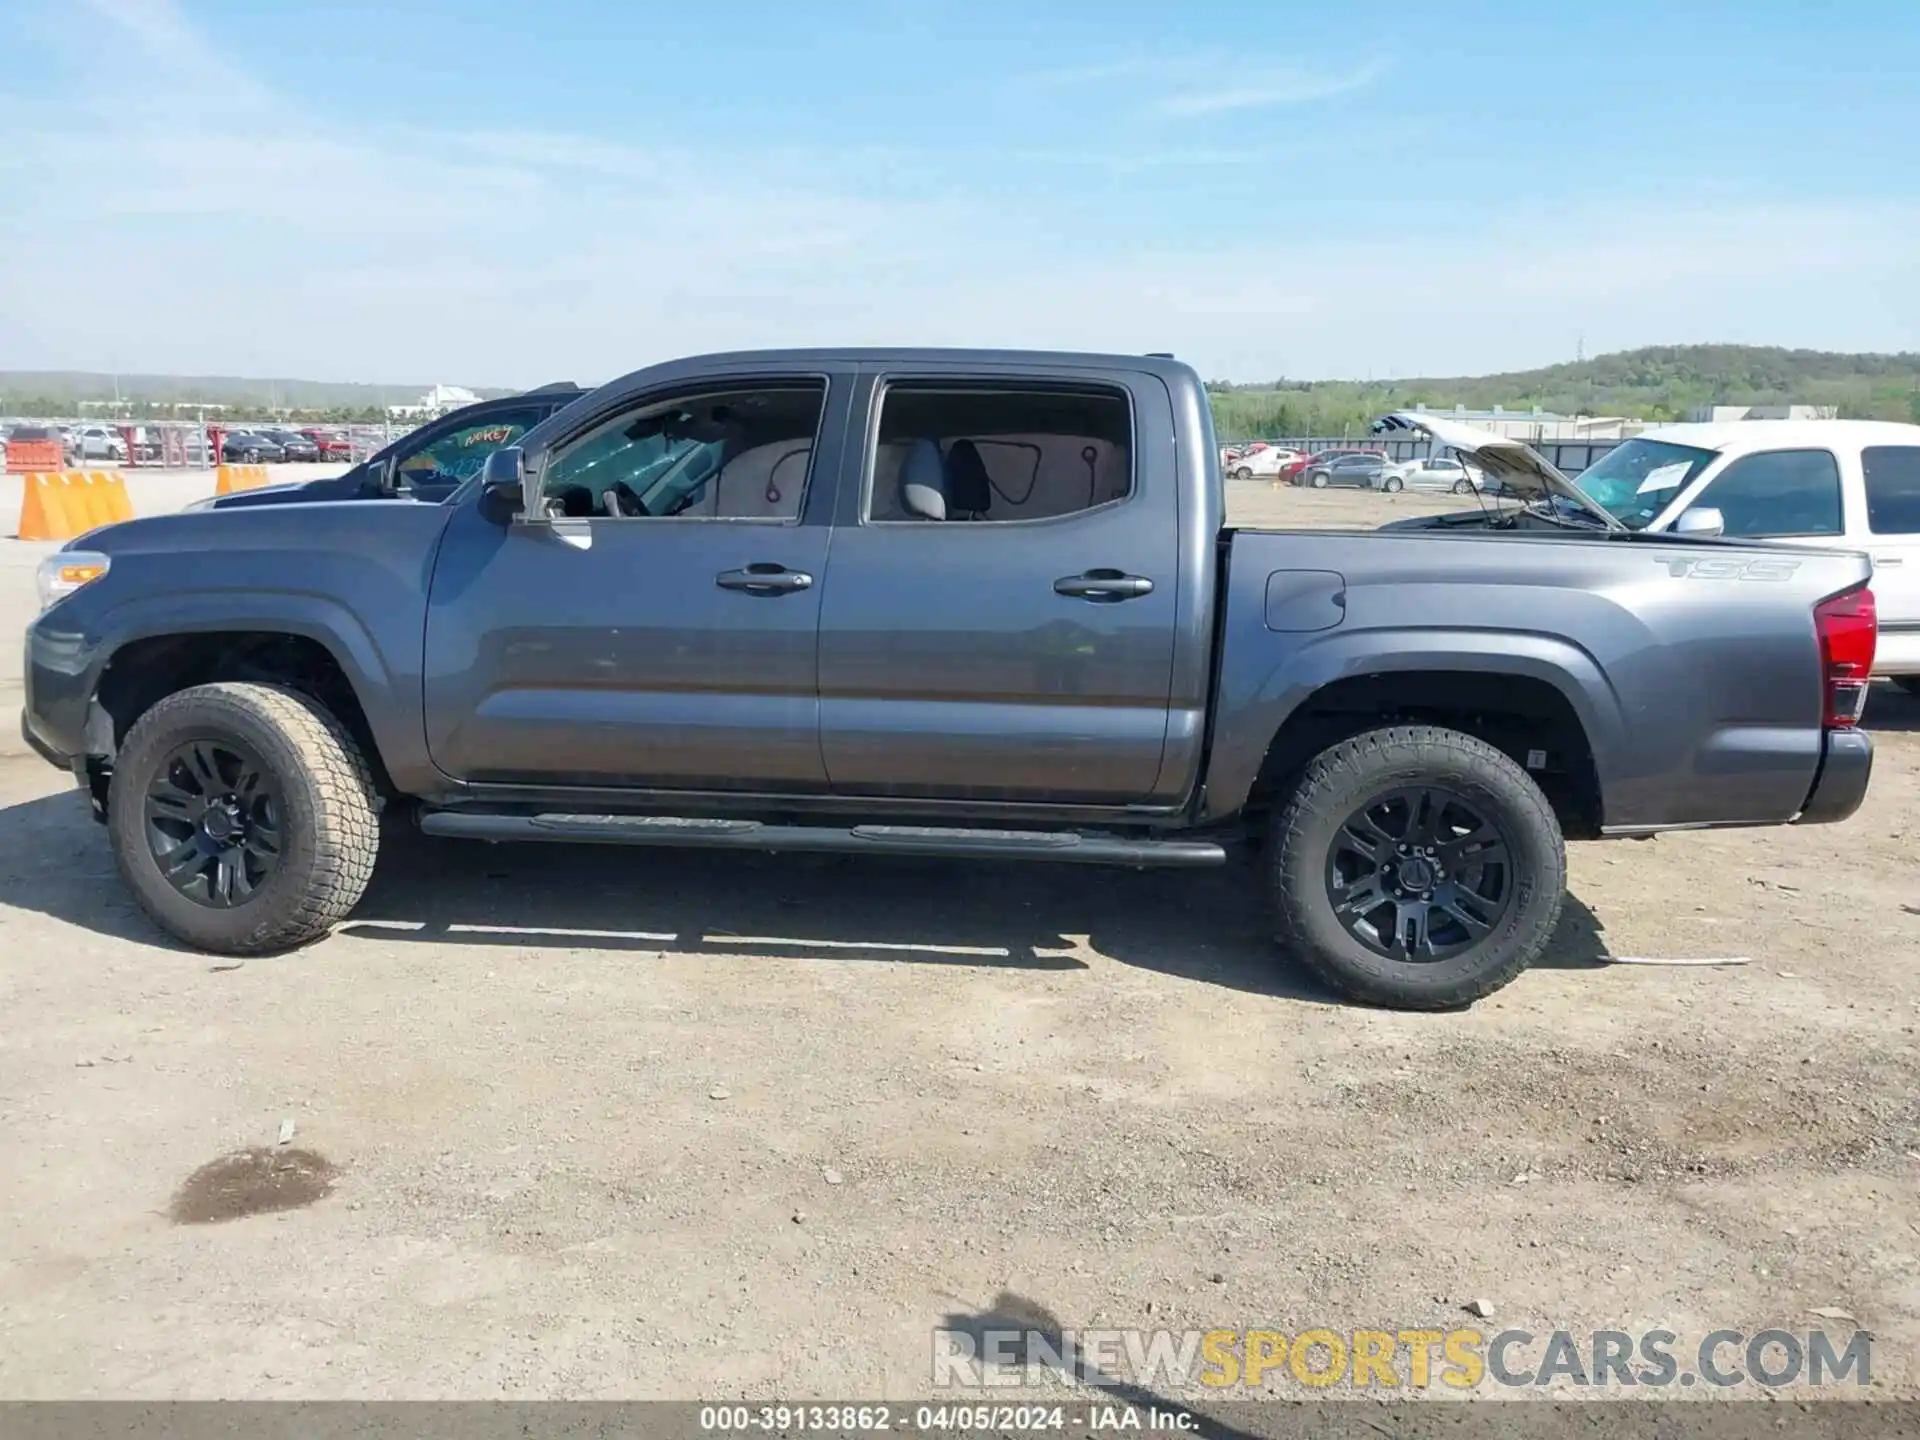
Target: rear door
(1000,619)
(1890,479)
(653,624)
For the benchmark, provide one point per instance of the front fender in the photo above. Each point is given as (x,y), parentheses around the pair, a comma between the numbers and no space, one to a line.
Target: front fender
(1259,693)
(351,577)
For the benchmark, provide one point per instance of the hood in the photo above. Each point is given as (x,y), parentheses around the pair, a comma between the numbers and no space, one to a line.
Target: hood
(1516,465)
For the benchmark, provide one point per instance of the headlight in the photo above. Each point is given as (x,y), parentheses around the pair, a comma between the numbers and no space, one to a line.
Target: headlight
(60,575)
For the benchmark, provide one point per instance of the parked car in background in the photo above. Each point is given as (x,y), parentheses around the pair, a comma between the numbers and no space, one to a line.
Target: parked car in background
(293,445)
(1361,469)
(427,464)
(1432,473)
(330,444)
(245,447)
(99,442)
(1263,463)
(1295,473)
(1817,485)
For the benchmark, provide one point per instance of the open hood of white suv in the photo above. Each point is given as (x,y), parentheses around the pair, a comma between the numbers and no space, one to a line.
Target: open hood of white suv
(1522,470)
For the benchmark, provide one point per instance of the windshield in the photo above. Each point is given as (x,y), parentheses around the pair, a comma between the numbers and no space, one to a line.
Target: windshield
(1635,481)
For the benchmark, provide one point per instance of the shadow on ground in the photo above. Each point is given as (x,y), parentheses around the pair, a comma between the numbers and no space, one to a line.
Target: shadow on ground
(1206,926)
(1891,709)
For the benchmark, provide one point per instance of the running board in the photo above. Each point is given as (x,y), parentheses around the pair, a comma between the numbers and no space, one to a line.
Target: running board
(1063,845)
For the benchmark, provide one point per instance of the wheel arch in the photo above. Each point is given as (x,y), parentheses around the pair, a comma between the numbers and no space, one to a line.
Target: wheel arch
(317,649)
(1529,698)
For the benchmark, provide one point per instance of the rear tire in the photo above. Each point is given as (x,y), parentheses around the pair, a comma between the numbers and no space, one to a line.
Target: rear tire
(301,780)
(1312,840)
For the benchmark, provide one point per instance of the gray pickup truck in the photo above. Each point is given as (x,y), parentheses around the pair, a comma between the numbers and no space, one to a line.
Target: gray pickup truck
(969,604)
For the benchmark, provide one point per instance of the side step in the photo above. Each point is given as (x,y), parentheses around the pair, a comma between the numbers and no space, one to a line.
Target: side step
(1064,845)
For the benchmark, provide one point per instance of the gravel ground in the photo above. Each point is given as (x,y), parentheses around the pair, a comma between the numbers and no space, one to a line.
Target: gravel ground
(601,1123)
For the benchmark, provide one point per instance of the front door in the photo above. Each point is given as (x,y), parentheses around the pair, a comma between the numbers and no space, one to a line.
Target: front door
(1891,481)
(654,624)
(1000,618)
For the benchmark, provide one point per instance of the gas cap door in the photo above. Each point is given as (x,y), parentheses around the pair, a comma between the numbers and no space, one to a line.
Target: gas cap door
(1300,601)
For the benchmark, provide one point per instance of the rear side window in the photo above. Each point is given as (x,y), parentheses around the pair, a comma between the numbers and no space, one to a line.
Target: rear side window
(1778,492)
(1892,474)
(948,452)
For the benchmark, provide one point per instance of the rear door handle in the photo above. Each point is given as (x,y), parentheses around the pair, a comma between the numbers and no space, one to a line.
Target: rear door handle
(1105,586)
(763,578)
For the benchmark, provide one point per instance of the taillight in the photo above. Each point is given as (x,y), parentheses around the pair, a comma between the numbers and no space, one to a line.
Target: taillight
(1847,624)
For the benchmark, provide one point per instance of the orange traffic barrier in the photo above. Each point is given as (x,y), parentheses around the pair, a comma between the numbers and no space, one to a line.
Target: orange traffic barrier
(230,478)
(107,499)
(61,506)
(50,509)
(34,455)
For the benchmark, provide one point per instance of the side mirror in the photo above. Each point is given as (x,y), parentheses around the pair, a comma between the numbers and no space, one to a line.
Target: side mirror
(503,477)
(1700,520)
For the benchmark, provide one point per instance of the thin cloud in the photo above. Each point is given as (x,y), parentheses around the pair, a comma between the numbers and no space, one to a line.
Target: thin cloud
(1279,88)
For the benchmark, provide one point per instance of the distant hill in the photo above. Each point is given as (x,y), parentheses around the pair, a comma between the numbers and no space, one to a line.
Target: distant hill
(1663,382)
(60,392)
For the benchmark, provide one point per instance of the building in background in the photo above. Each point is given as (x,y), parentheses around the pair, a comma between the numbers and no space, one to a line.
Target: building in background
(1537,424)
(437,401)
(1720,414)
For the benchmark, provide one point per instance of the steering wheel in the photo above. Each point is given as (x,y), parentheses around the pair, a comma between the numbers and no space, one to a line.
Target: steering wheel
(624,501)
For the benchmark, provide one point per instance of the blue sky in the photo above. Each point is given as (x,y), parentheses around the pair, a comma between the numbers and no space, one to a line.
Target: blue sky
(494,192)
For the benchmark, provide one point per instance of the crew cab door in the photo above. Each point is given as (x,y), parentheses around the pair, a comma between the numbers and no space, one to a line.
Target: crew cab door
(1000,619)
(652,622)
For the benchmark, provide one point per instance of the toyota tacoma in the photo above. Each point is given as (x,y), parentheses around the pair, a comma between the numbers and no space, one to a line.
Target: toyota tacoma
(954,603)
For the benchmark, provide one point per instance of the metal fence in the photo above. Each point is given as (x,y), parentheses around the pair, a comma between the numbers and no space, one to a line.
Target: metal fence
(1570,457)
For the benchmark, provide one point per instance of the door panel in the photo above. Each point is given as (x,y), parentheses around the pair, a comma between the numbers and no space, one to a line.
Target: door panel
(1021,661)
(609,652)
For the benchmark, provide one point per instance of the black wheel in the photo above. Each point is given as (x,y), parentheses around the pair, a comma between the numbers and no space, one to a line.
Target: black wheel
(1318,479)
(1416,867)
(243,818)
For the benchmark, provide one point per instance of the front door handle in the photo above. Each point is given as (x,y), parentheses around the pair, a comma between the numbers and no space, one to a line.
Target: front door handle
(1106,586)
(763,578)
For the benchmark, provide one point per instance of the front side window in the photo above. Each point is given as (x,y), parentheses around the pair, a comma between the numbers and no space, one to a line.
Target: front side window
(458,455)
(1778,492)
(1636,480)
(952,452)
(736,454)
(1892,474)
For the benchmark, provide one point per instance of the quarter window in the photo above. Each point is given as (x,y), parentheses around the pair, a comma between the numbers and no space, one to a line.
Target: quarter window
(1778,492)
(958,453)
(736,454)
(1892,473)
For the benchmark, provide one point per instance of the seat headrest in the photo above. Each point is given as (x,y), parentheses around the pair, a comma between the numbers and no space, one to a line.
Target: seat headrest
(923,481)
(969,491)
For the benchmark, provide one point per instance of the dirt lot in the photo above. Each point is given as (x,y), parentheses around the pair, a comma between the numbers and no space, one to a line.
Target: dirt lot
(610,1123)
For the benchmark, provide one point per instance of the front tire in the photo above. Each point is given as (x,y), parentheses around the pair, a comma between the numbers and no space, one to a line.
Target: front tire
(1463,487)
(1243,473)
(1393,485)
(1417,868)
(243,818)
(1318,479)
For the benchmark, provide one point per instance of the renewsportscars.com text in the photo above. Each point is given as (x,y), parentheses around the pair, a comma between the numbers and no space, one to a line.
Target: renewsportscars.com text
(1458,1358)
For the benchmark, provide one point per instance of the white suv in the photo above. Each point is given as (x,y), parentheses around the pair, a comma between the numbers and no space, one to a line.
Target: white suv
(99,442)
